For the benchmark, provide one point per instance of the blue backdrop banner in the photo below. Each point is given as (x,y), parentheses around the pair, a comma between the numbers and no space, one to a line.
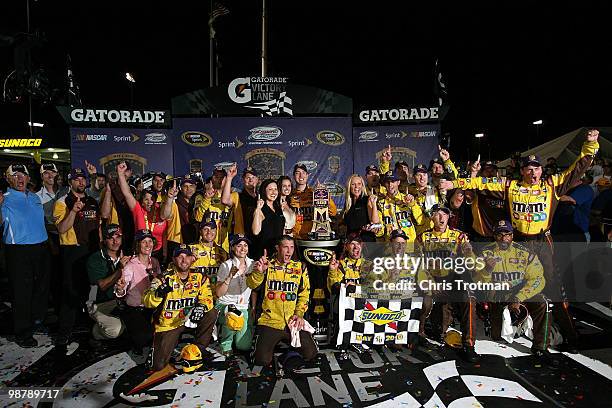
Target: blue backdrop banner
(145,149)
(271,146)
(412,143)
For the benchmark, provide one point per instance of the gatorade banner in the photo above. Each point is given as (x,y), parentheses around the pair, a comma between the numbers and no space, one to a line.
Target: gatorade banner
(272,146)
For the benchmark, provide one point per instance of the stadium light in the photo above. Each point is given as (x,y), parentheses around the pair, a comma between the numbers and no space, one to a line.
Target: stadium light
(129,77)
(537,122)
(479,135)
(36,124)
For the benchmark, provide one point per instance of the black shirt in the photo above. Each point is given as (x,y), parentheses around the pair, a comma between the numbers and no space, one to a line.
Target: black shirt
(357,217)
(248,204)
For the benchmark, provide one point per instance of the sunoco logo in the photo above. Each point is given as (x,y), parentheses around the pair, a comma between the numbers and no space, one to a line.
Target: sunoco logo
(381,316)
(368,135)
(319,257)
(155,138)
(329,137)
(265,133)
(197,139)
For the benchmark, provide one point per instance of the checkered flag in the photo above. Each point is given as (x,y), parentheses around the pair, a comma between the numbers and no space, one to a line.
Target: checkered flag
(352,330)
(275,106)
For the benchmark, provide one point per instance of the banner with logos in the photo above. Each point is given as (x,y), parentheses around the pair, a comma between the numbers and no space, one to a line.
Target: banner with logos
(272,146)
(144,149)
(109,117)
(406,114)
(413,144)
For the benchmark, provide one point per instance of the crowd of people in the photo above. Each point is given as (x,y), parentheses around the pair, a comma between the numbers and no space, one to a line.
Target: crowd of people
(147,257)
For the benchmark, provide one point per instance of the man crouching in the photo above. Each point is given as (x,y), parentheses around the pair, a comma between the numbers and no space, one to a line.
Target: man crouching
(178,293)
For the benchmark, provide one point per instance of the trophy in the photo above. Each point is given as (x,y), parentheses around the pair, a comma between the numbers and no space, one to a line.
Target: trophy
(321,225)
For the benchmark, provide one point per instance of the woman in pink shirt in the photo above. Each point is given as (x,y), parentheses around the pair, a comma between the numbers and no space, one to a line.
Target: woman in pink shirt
(135,279)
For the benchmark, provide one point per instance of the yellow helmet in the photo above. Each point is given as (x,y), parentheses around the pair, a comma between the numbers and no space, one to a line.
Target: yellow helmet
(453,339)
(234,321)
(190,359)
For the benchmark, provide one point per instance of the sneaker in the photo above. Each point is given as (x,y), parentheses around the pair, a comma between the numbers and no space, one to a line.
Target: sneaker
(26,342)
(469,354)
(545,357)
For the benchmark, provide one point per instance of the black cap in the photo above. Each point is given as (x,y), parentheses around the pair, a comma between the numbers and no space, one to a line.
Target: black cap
(502,226)
(182,249)
(48,167)
(235,239)
(142,234)
(489,163)
(420,168)
(110,230)
(189,179)
(401,163)
(390,177)
(208,223)
(76,173)
(249,170)
(372,167)
(437,160)
(160,174)
(398,233)
(438,207)
(531,160)
(353,237)
(300,166)
(17,168)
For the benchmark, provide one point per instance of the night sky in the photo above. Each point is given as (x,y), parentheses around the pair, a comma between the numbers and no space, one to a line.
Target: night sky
(504,67)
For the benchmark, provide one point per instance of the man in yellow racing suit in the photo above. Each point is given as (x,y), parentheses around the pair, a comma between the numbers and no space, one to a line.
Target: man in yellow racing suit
(511,263)
(209,255)
(286,294)
(174,297)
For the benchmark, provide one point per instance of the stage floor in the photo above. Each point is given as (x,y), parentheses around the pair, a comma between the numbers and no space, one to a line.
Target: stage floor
(506,376)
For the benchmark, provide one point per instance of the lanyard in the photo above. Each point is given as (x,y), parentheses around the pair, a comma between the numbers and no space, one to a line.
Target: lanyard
(146,219)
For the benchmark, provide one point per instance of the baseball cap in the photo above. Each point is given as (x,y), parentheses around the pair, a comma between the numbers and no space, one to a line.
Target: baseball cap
(401,163)
(76,173)
(390,177)
(437,160)
(208,223)
(142,234)
(110,230)
(372,167)
(502,226)
(249,170)
(48,167)
(160,174)
(531,160)
(438,207)
(17,168)
(398,233)
(489,163)
(182,249)
(420,168)
(189,179)
(353,237)
(238,238)
(300,166)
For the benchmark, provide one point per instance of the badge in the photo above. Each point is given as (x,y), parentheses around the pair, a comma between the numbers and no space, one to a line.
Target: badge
(168,315)
(202,253)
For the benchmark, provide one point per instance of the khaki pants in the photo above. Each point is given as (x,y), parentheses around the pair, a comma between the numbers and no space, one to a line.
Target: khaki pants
(107,326)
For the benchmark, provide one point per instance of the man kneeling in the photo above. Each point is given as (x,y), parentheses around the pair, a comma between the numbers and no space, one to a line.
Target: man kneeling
(286,293)
(178,293)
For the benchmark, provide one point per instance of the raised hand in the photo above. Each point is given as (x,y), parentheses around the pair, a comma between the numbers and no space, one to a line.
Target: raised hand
(209,191)
(445,185)
(173,191)
(387,155)
(232,171)
(592,135)
(333,263)
(78,205)
(372,201)
(164,288)
(263,263)
(124,260)
(91,169)
(444,154)
(260,202)
(408,198)
(121,168)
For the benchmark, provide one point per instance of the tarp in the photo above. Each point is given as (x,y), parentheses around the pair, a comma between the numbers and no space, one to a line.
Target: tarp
(566,148)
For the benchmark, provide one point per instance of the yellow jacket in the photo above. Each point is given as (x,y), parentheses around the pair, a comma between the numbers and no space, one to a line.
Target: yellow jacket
(208,259)
(177,304)
(439,246)
(349,271)
(395,214)
(223,215)
(286,292)
(515,265)
(531,207)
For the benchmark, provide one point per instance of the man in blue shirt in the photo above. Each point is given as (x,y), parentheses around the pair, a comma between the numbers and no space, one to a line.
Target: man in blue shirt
(27,255)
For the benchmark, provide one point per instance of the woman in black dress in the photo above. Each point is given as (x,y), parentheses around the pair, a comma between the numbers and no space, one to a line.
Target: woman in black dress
(268,221)
(360,210)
